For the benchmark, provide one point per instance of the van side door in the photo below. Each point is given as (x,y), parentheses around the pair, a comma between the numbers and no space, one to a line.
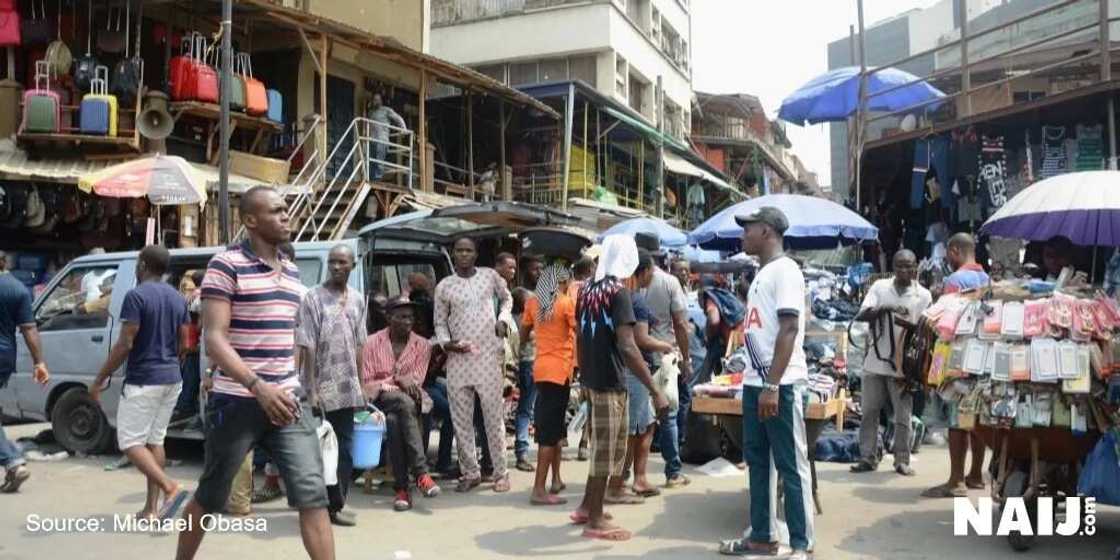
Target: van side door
(77,322)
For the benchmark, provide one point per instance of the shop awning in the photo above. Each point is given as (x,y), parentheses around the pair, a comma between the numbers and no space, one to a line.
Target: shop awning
(680,166)
(15,166)
(648,131)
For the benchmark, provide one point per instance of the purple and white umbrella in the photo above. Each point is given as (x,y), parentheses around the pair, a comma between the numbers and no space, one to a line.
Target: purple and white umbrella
(1083,206)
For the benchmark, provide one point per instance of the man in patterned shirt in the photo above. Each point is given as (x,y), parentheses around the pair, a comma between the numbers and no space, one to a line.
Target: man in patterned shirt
(332,328)
(470,330)
(250,296)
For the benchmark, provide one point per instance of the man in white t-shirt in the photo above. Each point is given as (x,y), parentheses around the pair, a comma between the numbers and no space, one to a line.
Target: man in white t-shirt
(890,298)
(773,393)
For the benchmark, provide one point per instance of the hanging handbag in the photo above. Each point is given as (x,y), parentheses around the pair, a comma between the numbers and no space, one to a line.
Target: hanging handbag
(86,66)
(256,97)
(328,441)
(59,58)
(128,72)
(111,40)
(10,35)
(37,29)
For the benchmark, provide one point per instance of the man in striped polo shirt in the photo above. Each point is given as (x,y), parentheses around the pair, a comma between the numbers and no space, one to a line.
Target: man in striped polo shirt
(250,297)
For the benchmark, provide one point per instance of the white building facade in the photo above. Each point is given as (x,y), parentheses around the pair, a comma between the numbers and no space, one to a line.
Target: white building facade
(626,49)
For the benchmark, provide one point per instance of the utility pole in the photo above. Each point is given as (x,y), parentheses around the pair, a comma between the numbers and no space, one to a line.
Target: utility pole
(223,125)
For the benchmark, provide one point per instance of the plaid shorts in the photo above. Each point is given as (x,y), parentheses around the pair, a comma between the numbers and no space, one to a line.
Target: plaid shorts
(608,432)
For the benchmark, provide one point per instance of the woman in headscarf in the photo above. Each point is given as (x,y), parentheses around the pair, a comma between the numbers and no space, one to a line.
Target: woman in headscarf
(551,314)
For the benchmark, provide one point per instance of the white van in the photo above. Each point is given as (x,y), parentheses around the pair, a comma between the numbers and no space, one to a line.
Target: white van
(79,319)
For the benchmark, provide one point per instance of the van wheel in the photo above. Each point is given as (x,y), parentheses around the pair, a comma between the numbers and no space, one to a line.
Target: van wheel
(79,425)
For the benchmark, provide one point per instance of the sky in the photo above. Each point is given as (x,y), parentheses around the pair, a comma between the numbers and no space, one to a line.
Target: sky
(769,48)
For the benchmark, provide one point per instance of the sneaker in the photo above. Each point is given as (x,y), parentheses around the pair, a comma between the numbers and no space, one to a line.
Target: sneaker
(904,470)
(677,481)
(524,465)
(343,519)
(14,479)
(427,486)
(863,467)
(403,501)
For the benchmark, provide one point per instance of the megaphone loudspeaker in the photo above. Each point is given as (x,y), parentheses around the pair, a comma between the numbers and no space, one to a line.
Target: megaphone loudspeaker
(154,121)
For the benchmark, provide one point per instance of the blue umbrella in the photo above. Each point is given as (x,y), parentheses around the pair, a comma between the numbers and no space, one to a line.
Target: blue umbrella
(834,95)
(669,235)
(814,223)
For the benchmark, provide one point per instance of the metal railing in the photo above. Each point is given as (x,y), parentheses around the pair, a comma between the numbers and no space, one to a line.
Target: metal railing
(309,162)
(367,158)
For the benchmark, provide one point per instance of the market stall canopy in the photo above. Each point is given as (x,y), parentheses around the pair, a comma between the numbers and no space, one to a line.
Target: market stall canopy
(1083,206)
(834,95)
(680,166)
(654,135)
(165,180)
(814,223)
(669,235)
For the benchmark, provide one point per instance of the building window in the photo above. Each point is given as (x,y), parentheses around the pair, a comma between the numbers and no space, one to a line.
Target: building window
(655,25)
(553,69)
(682,56)
(582,68)
(521,73)
(637,93)
(620,74)
(496,71)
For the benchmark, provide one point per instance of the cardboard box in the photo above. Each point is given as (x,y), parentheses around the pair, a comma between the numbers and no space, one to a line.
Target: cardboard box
(269,170)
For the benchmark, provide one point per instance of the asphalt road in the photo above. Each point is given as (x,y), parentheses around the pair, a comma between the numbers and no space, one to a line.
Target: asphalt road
(876,515)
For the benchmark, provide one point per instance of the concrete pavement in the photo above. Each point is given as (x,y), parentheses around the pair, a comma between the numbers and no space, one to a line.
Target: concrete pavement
(877,515)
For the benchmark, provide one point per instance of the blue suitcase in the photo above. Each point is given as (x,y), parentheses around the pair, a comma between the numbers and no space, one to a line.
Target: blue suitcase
(98,112)
(275,106)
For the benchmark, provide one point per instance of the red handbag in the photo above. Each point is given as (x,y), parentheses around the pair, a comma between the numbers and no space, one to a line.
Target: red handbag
(9,27)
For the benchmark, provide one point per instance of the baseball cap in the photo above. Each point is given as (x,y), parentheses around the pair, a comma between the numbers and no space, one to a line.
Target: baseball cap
(398,301)
(768,215)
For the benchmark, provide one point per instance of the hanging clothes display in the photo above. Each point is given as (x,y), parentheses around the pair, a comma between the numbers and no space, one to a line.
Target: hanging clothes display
(1090,148)
(695,201)
(1053,151)
(966,145)
(929,155)
(992,181)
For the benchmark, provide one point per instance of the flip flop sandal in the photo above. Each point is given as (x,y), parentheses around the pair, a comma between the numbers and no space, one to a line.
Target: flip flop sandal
(647,492)
(944,491)
(502,484)
(558,489)
(581,519)
(624,500)
(617,534)
(549,501)
(467,484)
(266,494)
(975,485)
(173,504)
(740,547)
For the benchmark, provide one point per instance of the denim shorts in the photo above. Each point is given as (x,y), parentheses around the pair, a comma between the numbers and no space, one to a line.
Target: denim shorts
(234,425)
(639,406)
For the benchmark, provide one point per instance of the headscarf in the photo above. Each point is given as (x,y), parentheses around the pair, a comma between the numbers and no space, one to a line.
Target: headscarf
(551,278)
(619,257)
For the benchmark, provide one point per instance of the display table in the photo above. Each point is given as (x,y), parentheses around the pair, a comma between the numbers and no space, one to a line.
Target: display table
(816,416)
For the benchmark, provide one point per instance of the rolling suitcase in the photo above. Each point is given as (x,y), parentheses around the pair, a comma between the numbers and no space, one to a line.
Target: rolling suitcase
(179,67)
(256,97)
(41,106)
(275,106)
(236,85)
(98,112)
(200,82)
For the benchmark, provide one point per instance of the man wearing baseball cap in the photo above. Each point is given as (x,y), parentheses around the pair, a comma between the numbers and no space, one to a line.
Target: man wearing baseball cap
(773,389)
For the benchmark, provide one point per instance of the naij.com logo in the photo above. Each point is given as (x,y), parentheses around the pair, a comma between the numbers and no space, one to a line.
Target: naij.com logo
(1016,516)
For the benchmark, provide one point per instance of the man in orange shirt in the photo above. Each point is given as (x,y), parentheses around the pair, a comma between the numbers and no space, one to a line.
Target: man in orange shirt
(552,315)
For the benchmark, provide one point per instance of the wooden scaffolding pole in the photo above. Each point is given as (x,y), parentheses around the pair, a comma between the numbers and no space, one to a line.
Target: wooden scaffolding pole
(324,54)
(569,108)
(506,190)
(470,142)
(426,181)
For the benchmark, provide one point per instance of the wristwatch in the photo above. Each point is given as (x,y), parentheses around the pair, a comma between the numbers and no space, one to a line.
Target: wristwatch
(770,387)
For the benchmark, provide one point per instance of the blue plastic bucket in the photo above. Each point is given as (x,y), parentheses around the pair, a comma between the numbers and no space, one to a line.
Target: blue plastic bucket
(367,444)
